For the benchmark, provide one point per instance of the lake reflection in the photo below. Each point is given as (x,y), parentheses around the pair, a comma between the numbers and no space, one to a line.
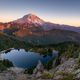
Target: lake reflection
(23,59)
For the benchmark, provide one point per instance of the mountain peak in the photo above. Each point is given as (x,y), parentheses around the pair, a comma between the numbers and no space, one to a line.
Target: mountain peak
(30,18)
(31,14)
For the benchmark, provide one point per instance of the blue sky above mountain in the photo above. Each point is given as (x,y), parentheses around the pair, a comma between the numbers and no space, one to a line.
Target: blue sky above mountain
(57,11)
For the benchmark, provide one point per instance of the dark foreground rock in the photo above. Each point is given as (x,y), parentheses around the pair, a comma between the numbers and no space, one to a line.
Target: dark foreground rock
(69,70)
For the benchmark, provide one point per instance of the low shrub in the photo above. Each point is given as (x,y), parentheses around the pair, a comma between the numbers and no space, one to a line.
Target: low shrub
(47,75)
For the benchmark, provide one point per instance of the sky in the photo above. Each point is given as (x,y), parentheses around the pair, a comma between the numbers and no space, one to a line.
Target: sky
(56,11)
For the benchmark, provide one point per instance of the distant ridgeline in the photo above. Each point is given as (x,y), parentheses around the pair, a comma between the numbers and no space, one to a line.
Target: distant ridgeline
(7,42)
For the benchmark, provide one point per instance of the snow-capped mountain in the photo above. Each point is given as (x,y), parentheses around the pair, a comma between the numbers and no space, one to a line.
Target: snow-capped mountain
(34,23)
(30,19)
(31,28)
(33,20)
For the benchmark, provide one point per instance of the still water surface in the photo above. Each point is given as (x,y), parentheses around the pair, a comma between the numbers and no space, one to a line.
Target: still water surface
(23,59)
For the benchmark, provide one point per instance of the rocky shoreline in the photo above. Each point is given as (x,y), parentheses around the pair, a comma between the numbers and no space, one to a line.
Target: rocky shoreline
(69,70)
